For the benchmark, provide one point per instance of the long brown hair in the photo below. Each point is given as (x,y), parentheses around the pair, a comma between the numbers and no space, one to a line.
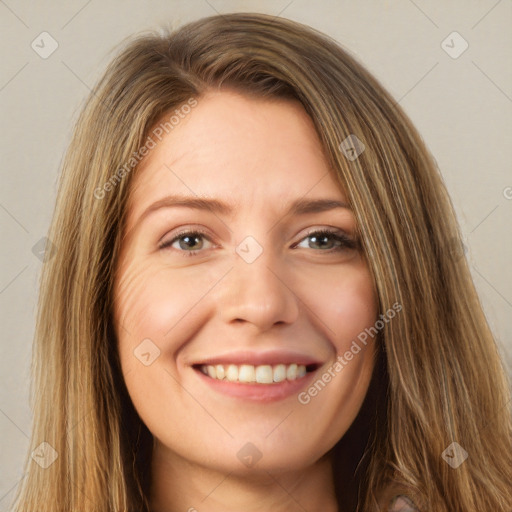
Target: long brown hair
(440,378)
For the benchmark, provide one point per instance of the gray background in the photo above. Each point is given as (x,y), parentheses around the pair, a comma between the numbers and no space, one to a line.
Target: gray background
(462,107)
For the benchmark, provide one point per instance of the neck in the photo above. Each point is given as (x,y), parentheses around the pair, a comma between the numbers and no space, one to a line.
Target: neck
(178,485)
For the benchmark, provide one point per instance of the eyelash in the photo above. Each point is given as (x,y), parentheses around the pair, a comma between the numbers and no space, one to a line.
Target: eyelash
(345,241)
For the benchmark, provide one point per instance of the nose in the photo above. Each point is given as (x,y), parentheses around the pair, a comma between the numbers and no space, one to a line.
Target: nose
(258,293)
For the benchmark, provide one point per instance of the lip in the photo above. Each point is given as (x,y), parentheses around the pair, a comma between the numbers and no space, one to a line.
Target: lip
(263,393)
(271,357)
(257,392)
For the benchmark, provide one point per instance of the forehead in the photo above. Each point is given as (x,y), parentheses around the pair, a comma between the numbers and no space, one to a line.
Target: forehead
(242,150)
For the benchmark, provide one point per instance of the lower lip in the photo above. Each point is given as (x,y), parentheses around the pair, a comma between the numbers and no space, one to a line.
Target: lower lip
(258,392)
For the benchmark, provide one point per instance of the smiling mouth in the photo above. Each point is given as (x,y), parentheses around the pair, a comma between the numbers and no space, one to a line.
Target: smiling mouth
(261,374)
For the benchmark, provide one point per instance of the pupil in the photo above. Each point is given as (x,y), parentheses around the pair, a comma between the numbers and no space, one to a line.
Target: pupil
(190,239)
(321,241)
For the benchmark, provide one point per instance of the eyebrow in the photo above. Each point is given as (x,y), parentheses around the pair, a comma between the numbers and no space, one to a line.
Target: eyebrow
(297,207)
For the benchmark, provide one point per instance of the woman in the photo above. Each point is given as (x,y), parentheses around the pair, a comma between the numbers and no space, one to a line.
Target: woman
(319,348)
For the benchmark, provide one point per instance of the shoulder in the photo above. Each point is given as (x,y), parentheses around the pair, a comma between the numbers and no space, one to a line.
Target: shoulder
(401,503)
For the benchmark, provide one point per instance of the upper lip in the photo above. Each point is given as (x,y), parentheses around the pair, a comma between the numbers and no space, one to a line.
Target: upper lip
(273,357)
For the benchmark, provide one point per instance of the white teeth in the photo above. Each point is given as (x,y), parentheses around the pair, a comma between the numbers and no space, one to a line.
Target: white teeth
(262,374)
(232,373)
(291,372)
(280,372)
(211,371)
(246,373)
(220,371)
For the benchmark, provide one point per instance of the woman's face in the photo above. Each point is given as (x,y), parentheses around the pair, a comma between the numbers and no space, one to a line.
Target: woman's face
(258,293)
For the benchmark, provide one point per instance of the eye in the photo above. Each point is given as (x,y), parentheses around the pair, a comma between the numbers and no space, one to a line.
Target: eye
(190,242)
(329,240)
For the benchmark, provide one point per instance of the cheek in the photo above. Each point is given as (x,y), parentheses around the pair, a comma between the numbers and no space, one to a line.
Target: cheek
(355,311)
(151,301)
(346,304)
(141,298)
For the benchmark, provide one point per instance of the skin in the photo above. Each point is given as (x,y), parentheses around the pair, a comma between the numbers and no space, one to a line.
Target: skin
(257,156)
